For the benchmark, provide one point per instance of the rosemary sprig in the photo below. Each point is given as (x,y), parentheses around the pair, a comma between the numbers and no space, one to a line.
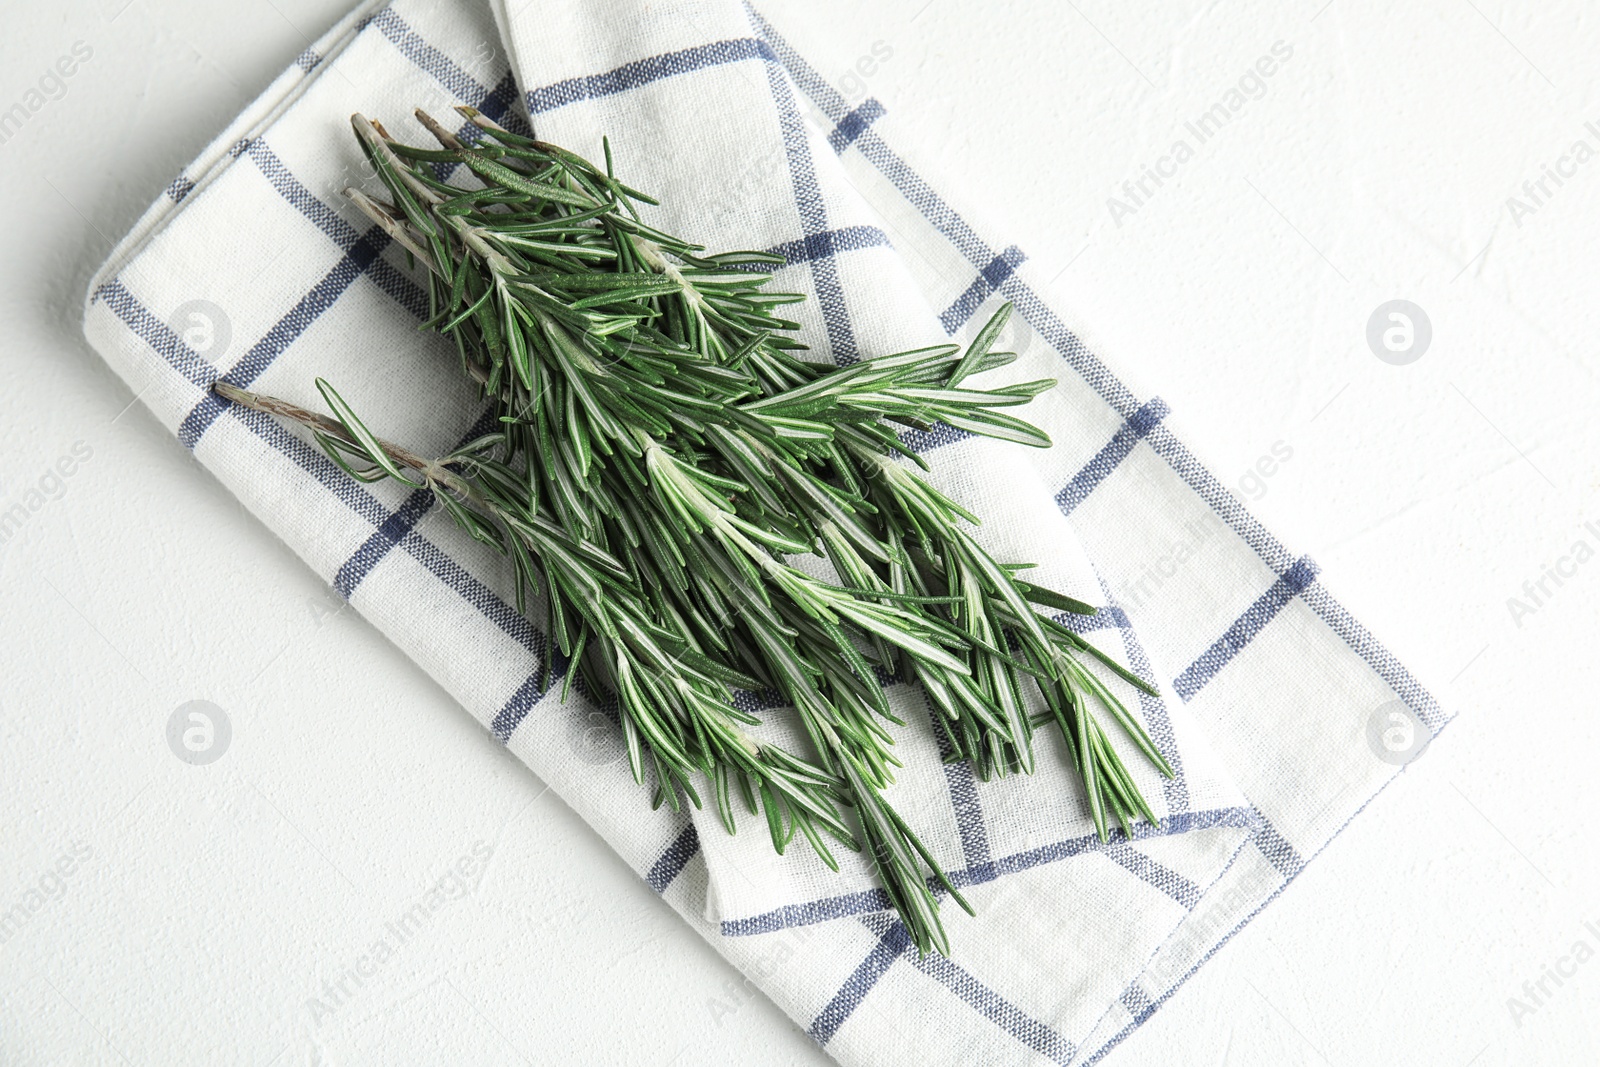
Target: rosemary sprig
(663,453)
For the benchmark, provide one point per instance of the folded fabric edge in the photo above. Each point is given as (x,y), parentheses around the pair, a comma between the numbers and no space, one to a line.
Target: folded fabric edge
(1000,274)
(1285,883)
(232,141)
(273,105)
(875,900)
(631,73)
(1141,1004)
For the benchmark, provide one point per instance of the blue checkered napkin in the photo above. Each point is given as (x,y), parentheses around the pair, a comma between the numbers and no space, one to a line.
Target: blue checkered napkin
(732,183)
(183,299)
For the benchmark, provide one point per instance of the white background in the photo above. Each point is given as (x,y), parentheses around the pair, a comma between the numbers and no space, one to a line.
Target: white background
(216,901)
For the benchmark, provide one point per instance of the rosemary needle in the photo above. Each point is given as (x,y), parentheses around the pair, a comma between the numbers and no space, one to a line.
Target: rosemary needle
(663,452)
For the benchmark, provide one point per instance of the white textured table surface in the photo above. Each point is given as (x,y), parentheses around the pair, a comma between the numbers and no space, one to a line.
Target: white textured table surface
(153,911)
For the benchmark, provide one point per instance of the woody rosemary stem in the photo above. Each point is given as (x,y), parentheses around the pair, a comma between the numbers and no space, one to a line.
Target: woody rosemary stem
(432,470)
(661,466)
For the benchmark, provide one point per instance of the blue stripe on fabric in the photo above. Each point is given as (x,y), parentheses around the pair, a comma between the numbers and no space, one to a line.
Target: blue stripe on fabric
(672,862)
(961,783)
(1162,877)
(515,709)
(362,255)
(970,822)
(1137,1001)
(498,104)
(1187,822)
(532,690)
(854,124)
(1153,709)
(455,577)
(285,331)
(307,61)
(947,222)
(1279,558)
(1072,349)
(1278,851)
(894,941)
(992,1006)
(1008,282)
(494,102)
(1138,426)
(302,199)
(940,435)
(1245,628)
(994,274)
(813,209)
(430,60)
(864,902)
(157,334)
(825,244)
(1372,651)
(643,72)
(312,460)
(394,529)
(1108,617)
(389,533)
(405,292)
(181,187)
(1270,849)
(160,337)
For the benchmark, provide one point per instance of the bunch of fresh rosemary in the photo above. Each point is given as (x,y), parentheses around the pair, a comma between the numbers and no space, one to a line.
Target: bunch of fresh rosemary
(662,452)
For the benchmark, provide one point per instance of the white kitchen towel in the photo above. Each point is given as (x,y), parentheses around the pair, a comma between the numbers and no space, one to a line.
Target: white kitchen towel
(726,179)
(253,268)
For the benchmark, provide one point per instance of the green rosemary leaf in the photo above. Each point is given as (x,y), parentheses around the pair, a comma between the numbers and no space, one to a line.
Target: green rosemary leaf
(663,451)
(362,436)
(1047,598)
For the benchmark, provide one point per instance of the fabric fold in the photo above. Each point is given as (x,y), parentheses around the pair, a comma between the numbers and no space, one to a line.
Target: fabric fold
(763,176)
(1266,681)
